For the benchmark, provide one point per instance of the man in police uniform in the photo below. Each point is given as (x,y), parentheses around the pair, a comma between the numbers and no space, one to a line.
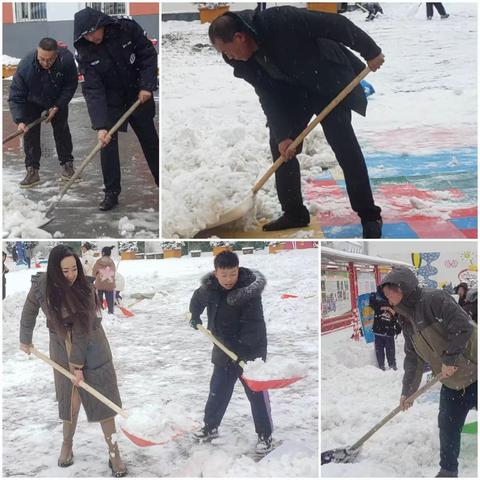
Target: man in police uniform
(119,64)
(46,80)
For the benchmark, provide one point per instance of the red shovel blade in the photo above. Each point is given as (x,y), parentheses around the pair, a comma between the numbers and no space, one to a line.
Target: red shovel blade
(288,295)
(104,304)
(142,442)
(127,312)
(261,385)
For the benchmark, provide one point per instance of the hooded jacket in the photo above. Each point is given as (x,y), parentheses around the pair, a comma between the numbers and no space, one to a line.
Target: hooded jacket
(33,86)
(114,71)
(302,62)
(89,351)
(235,316)
(104,273)
(436,330)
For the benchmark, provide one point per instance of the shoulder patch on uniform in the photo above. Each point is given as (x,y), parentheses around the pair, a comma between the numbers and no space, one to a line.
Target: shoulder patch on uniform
(127,44)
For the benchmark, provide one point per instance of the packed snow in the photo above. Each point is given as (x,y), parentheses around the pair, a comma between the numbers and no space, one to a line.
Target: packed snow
(163,369)
(215,141)
(356,395)
(274,369)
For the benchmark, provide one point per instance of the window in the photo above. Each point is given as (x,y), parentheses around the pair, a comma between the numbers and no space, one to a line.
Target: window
(30,12)
(109,8)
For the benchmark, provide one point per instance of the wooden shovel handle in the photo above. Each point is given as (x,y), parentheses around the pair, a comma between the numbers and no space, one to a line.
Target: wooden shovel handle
(220,345)
(394,412)
(82,384)
(281,159)
(90,156)
(30,125)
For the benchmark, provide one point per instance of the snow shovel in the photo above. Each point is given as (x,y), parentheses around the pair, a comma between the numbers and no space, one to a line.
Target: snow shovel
(244,207)
(348,454)
(255,385)
(87,161)
(140,442)
(30,125)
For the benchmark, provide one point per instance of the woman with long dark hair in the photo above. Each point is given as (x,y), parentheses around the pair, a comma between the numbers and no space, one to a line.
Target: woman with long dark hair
(79,344)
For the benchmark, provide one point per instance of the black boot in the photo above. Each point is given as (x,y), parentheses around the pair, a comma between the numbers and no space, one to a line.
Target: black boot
(287,221)
(445,473)
(372,229)
(110,201)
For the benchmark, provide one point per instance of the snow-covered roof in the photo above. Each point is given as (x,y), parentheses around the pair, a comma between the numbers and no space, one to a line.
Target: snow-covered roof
(330,254)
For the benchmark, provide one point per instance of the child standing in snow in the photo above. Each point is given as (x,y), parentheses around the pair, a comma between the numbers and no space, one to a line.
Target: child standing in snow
(78,343)
(232,296)
(104,273)
(385,327)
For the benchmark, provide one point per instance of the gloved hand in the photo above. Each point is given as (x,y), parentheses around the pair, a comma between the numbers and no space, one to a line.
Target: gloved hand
(194,321)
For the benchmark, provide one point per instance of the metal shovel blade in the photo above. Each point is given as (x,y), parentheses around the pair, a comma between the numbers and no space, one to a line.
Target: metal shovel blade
(235,213)
(340,455)
(261,385)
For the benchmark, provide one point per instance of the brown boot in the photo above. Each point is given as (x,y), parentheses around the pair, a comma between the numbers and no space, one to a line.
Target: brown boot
(67,170)
(115,462)
(66,454)
(31,179)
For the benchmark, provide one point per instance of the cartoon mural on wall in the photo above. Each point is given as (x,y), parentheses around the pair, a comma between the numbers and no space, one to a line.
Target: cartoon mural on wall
(462,267)
(422,261)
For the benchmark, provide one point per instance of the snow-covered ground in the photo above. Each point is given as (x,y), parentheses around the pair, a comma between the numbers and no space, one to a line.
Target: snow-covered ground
(356,395)
(163,366)
(215,142)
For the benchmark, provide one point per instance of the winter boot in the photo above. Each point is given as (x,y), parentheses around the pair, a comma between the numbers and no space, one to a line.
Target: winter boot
(443,17)
(372,229)
(31,179)
(67,170)
(206,434)
(109,202)
(445,473)
(115,462)
(264,444)
(287,221)
(66,454)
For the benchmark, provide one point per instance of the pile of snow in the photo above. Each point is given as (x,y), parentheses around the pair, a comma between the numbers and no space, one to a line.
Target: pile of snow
(22,216)
(276,368)
(158,423)
(125,227)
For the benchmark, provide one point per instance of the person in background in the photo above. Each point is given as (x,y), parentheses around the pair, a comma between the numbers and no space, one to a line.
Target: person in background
(5,270)
(88,258)
(461,290)
(104,273)
(385,327)
(440,9)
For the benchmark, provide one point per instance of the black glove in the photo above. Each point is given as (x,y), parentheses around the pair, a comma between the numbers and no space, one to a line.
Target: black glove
(194,322)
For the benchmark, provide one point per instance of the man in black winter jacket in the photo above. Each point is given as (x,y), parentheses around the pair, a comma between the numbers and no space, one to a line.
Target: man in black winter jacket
(297,61)
(232,296)
(119,65)
(46,79)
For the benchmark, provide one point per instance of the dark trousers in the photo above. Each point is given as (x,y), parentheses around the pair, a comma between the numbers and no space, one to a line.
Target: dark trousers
(221,388)
(385,344)
(61,135)
(144,127)
(439,7)
(108,297)
(339,133)
(454,407)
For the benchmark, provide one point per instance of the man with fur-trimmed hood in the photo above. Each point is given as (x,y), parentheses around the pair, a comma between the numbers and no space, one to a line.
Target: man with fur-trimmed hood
(437,331)
(232,296)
